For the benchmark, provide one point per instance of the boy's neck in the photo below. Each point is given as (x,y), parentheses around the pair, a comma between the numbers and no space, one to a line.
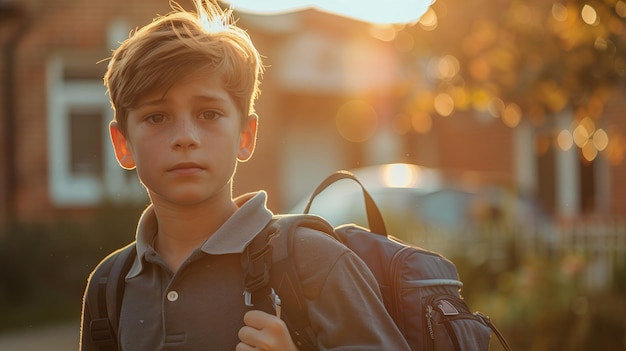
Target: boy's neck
(182,229)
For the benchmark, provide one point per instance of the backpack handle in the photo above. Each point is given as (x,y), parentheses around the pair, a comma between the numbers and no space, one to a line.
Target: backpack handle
(374,217)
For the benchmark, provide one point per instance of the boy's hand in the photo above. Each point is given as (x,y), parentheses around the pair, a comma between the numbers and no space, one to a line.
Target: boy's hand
(266,332)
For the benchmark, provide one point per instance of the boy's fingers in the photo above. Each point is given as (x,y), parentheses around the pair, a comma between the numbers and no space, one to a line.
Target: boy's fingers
(264,331)
(261,320)
(247,338)
(252,339)
(248,334)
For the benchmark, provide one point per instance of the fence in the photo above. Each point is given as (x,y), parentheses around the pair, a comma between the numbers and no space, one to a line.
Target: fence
(599,243)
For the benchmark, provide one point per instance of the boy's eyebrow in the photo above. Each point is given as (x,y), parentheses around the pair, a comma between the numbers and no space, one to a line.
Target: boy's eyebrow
(209,97)
(148,103)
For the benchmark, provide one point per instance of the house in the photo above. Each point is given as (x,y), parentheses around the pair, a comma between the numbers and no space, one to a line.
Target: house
(331,99)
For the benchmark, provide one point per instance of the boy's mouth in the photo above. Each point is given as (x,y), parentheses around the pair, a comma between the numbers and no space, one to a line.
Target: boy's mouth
(186,167)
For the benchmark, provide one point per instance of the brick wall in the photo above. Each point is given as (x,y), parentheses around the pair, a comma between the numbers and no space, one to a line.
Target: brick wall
(478,144)
(615,115)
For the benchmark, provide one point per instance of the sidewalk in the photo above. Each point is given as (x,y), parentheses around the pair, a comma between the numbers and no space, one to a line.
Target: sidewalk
(59,337)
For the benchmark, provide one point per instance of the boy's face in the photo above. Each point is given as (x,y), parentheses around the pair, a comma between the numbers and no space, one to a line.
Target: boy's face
(185,142)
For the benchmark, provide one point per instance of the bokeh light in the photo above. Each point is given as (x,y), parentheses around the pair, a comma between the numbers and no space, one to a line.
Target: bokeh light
(444,104)
(384,32)
(512,115)
(589,15)
(600,139)
(496,107)
(590,139)
(421,122)
(356,121)
(584,131)
(589,152)
(620,8)
(581,135)
(564,140)
(429,20)
(443,68)
(559,12)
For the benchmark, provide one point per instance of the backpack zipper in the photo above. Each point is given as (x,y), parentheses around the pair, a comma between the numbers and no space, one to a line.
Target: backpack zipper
(429,315)
(396,261)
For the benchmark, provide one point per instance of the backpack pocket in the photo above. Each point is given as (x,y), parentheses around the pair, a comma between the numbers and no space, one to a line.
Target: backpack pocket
(450,326)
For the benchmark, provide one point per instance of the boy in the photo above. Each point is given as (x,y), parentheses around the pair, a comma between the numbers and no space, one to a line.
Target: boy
(183,91)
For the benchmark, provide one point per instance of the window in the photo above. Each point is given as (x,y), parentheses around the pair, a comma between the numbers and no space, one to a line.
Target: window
(86,142)
(568,185)
(82,166)
(546,173)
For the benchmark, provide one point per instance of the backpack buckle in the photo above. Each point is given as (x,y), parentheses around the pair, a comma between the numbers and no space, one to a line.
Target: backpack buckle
(101,332)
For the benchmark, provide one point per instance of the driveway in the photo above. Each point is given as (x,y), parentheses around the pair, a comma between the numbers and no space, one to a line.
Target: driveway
(58,337)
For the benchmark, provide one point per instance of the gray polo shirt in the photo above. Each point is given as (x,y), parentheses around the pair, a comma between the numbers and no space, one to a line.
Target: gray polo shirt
(201,306)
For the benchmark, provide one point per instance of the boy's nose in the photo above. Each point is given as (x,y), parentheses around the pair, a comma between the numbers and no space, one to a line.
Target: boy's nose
(185,134)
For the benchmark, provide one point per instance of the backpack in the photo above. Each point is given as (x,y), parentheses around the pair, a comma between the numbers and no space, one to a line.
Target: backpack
(104,296)
(420,288)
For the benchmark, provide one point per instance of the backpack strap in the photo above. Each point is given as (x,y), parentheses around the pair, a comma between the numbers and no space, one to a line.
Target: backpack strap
(105,300)
(276,242)
(374,217)
(256,261)
(495,330)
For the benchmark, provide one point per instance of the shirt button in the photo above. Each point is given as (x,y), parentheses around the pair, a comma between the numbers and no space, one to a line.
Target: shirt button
(172,296)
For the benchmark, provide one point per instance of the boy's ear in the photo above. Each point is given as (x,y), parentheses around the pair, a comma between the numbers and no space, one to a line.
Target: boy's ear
(247,139)
(120,145)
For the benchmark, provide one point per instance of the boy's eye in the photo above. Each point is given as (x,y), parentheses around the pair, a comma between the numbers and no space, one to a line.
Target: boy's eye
(155,119)
(210,115)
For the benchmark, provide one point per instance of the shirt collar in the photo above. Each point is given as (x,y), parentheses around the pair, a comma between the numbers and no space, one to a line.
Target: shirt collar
(233,236)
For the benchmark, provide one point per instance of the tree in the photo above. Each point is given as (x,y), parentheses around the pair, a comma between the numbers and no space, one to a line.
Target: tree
(523,59)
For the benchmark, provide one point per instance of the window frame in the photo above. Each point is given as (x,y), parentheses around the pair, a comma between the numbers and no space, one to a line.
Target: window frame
(67,189)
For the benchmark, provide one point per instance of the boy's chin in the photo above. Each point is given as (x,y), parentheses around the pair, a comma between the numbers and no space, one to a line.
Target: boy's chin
(184,198)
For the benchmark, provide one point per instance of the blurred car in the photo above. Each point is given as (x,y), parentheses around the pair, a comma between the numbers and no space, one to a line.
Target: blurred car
(456,213)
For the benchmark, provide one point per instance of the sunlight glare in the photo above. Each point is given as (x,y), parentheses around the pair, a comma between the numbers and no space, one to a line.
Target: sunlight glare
(389,12)
(400,175)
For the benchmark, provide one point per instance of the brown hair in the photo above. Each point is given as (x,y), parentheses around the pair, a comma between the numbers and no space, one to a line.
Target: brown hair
(177,44)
